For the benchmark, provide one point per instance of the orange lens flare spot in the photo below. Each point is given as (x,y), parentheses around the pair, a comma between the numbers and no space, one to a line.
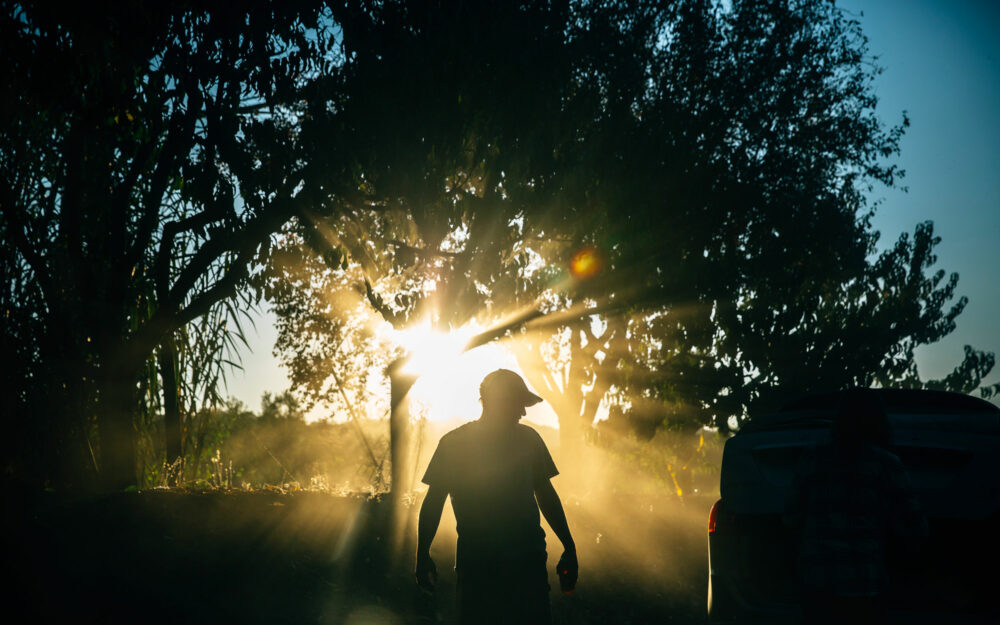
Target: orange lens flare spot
(585,263)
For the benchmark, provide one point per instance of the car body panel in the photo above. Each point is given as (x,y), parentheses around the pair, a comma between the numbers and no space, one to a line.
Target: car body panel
(953,458)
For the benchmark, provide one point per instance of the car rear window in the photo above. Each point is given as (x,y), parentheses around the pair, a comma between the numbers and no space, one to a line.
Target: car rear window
(911,409)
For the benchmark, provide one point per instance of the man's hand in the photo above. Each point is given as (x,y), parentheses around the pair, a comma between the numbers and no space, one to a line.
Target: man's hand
(426,571)
(552,510)
(568,569)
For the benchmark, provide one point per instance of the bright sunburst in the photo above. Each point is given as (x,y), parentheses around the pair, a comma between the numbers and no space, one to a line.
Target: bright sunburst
(448,386)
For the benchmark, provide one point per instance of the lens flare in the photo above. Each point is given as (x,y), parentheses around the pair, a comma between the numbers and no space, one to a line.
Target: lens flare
(585,263)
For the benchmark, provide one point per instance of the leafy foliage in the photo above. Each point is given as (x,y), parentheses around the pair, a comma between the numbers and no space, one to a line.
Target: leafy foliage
(715,158)
(148,153)
(446,163)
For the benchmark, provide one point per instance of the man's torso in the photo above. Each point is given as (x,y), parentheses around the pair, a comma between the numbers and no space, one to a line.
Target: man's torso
(491,472)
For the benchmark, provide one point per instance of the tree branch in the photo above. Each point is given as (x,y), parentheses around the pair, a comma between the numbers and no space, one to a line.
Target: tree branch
(425,252)
(169,315)
(379,305)
(180,140)
(19,231)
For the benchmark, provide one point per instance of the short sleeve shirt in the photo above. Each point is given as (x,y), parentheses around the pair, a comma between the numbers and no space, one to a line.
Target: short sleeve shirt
(491,473)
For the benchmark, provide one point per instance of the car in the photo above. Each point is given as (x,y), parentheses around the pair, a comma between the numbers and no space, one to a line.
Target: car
(950,444)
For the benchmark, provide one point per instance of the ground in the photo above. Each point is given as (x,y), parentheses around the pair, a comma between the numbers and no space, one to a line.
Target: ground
(264,557)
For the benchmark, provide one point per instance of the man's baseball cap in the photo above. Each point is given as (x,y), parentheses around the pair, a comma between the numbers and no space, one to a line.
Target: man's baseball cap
(506,383)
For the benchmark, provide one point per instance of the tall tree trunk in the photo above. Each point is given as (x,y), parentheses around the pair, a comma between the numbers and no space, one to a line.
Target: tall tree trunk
(575,407)
(565,399)
(61,412)
(171,407)
(62,434)
(116,415)
(399,427)
(400,384)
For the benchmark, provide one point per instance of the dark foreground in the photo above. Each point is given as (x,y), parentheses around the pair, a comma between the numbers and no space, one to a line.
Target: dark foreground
(167,557)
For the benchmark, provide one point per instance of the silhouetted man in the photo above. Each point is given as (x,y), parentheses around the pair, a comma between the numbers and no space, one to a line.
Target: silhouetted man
(497,473)
(848,498)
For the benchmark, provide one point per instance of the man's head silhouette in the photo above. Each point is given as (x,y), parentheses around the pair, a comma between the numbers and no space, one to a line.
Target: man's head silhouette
(505,395)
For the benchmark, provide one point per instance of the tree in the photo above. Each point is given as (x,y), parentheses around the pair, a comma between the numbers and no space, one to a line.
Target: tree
(454,148)
(148,154)
(735,222)
(712,159)
(281,406)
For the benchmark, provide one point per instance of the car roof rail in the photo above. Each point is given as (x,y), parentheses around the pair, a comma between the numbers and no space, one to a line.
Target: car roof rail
(900,401)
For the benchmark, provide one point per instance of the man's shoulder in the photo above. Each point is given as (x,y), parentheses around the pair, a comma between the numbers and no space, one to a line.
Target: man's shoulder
(527,430)
(476,430)
(462,431)
(528,433)
(530,440)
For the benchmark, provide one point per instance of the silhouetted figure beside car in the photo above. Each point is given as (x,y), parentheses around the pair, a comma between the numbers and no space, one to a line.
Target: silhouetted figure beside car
(497,473)
(848,500)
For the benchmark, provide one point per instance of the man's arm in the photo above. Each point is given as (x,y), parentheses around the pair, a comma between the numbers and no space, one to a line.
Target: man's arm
(430,517)
(552,510)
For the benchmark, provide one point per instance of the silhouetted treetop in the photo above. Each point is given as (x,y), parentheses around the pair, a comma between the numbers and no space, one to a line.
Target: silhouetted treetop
(717,158)
(147,153)
(446,161)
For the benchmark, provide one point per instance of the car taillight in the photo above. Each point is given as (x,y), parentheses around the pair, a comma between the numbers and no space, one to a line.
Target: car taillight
(713,517)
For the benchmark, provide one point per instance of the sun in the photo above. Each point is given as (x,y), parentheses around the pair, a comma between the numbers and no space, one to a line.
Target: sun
(448,385)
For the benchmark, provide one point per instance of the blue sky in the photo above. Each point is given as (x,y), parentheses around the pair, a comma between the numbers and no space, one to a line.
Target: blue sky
(941,64)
